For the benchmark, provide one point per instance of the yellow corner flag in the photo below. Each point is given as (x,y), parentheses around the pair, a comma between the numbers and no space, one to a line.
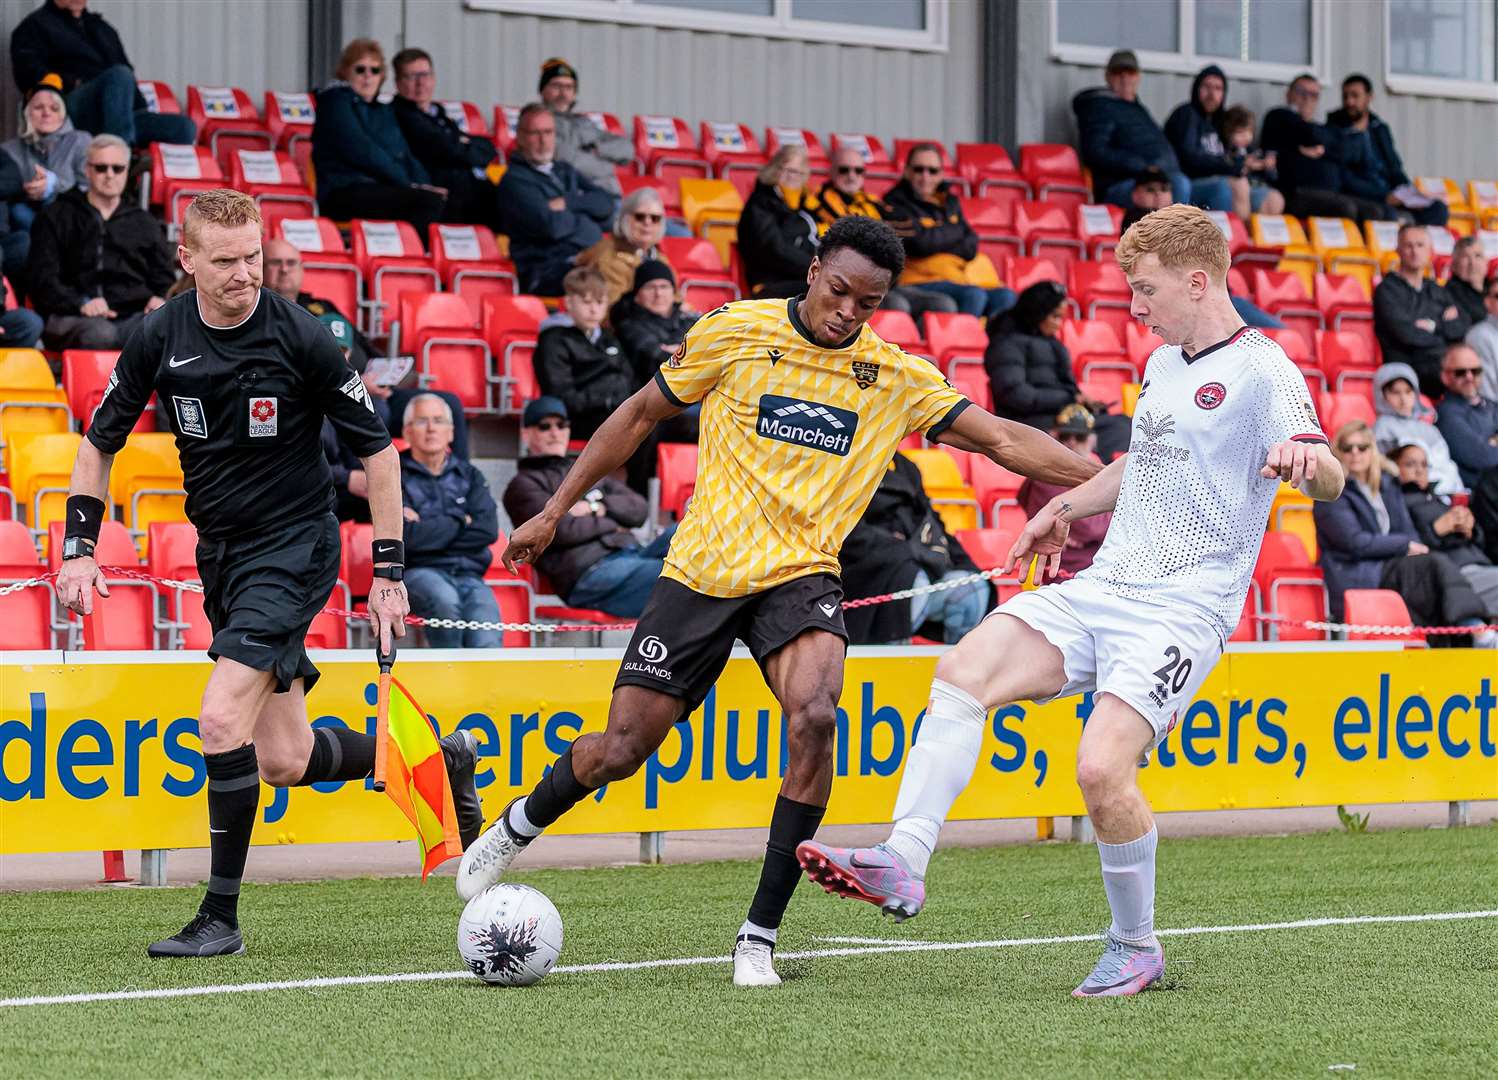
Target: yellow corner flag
(410,769)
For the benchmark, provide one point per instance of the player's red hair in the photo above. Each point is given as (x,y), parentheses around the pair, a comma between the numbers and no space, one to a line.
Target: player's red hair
(1182,237)
(221,206)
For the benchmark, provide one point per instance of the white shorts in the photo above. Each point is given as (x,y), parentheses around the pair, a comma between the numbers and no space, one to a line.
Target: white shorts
(1154,658)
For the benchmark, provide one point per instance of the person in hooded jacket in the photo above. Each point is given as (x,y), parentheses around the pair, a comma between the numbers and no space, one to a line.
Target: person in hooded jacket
(777,234)
(1195,133)
(1403,421)
(49,152)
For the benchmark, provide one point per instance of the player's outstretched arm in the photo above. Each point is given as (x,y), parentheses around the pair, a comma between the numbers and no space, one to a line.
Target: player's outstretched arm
(1019,448)
(1311,468)
(609,448)
(79,578)
(388,602)
(1044,536)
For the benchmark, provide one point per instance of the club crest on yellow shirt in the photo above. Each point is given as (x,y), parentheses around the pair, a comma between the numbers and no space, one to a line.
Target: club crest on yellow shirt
(865,373)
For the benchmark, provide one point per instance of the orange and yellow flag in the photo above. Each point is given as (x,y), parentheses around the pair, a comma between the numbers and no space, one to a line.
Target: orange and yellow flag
(410,769)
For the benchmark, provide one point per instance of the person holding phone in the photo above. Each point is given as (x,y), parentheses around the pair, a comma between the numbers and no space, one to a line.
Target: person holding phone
(1446,525)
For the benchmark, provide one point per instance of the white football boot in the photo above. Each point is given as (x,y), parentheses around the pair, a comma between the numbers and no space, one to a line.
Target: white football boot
(754,962)
(488,857)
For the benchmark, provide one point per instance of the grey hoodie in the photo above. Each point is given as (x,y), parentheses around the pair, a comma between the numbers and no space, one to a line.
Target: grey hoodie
(591,150)
(61,153)
(1393,431)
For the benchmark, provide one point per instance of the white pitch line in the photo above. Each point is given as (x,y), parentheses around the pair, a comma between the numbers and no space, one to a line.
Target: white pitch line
(700,961)
(864,940)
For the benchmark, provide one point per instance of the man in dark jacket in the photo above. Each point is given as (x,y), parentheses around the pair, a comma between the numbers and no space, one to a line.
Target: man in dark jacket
(1466,282)
(1372,169)
(1449,529)
(14,243)
(900,543)
(549,210)
(1119,138)
(1308,158)
(451,521)
(64,37)
(578,360)
(1413,317)
(1193,131)
(594,560)
(98,265)
(453,159)
(1468,421)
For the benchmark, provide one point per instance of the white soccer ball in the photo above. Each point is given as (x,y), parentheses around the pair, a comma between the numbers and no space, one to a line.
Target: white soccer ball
(510,935)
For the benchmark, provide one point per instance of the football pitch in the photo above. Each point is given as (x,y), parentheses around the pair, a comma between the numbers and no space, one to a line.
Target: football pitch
(1281,961)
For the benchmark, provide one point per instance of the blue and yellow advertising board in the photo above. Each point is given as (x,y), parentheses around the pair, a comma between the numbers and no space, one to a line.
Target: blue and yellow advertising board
(101,751)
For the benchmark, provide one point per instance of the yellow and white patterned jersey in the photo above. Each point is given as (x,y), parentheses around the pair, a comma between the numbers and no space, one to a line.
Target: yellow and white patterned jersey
(794,439)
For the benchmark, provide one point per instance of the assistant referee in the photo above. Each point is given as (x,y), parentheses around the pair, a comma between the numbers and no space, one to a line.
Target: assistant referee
(245,379)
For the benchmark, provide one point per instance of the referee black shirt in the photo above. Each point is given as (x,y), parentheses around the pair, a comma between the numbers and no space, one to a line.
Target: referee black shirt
(246,404)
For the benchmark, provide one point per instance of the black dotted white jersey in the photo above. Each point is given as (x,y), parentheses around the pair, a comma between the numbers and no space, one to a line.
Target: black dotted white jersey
(1192,509)
(247,405)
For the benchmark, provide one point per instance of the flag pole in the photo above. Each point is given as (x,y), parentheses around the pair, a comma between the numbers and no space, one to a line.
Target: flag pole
(382,711)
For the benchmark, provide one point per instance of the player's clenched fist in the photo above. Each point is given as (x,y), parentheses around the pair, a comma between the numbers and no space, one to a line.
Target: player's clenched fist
(76,582)
(1290,461)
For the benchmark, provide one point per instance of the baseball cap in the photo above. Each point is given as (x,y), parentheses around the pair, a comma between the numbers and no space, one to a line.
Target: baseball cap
(1073,420)
(1122,60)
(541,408)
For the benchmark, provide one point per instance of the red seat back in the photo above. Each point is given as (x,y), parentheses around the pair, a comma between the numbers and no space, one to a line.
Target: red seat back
(160,97)
(172,550)
(288,115)
(1377,607)
(446,314)
(1296,347)
(676,469)
(18,557)
(971,381)
(776,137)
(990,547)
(467,116)
(1020,273)
(952,335)
(357,566)
(374,240)
(898,328)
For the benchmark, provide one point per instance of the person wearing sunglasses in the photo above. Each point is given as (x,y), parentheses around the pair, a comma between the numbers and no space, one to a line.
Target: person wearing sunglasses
(453,159)
(365,168)
(1483,337)
(1467,419)
(941,248)
(99,263)
(843,195)
(634,240)
(588,147)
(1367,540)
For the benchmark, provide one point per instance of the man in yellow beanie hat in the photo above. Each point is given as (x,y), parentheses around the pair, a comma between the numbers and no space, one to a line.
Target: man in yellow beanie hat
(581,143)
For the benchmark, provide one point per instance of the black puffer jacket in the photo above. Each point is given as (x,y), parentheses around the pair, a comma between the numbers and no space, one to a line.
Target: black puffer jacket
(591,377)
(776,242)
(77,49)
(642,333)
(579,541)
(76,255)
(1425,506)
(1119,139)
(1030,375)
(1194,135)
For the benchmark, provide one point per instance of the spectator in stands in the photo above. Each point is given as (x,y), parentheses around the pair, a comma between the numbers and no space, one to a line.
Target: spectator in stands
(1450,530)
(594,560)
(900,543)
(1413,317)
(1371,166)
(19,327)
(634,239)
(1120,138)
(843,196)
(1403,421)
(1483,337)
(49,152)
(549,209)
(364,167)
(651,324)
(63,37)
(1030,370)
(455,162)
(1254,165)
(777,233)
(1468,420)
(941,248)
(14,243)
(451,521)
(1073,428)
(580,362)
(98,265)
(1367,541)
(588,148)
(1464,283)
(1195,133)
(1308,158)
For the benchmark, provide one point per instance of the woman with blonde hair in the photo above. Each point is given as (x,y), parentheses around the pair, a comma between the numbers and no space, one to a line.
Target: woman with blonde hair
(1367,540)
(634,239)
(49,152)
(777,235)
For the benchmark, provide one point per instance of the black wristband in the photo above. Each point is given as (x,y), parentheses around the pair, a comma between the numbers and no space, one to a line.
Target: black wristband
(388,551)
(85,516)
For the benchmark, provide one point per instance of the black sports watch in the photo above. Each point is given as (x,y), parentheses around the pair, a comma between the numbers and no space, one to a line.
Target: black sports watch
(77,547)
(393,572)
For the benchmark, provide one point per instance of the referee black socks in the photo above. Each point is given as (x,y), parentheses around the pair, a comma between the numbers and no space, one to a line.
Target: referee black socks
(791,823)
(339,754)
(559,791)
(233,798)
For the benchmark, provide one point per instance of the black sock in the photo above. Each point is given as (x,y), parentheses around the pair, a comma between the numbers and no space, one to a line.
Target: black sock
(233,798)
(558,792)
(339,754)
(791,823)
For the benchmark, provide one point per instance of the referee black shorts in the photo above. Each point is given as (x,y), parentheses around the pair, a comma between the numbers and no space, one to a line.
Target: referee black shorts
(262,590)
(683,639)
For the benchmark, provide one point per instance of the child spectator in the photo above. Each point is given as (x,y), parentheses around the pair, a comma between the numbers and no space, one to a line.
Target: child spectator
(1403,419)
(1238,126)
(580,362)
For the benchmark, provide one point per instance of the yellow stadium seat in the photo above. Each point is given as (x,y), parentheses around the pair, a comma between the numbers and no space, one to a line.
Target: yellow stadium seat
(955,501)
(1130,397)
(1283,231)
(41,473)
(712,209)
(1462,220)
(146,480)
(30,399)
(1291,513)
(1383,242)
(1340,247)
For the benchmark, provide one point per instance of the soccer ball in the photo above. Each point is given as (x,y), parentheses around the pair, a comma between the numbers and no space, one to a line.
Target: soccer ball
(510,935)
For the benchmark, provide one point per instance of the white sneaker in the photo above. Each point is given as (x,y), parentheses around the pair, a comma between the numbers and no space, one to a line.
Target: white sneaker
(754,962)
(488,857)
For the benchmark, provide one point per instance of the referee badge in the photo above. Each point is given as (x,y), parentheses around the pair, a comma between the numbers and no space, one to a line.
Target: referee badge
(190,418)
(263,417)
(865,373)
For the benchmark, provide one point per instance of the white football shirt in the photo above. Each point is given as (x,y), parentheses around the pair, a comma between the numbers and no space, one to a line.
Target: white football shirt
(1192,509)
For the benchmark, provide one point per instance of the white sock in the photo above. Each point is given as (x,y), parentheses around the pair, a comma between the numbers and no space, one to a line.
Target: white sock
(519,824)
(759,931)
(940,766)
(1129,878)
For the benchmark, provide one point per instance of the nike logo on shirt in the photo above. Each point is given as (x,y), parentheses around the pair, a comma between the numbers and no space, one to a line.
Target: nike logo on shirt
(174,362)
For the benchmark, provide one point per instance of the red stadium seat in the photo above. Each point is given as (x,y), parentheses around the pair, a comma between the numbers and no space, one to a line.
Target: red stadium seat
(993,484)
(227,121)
(701,277)
(989,172)
(1337,409)
(85,374)
(467,116)
(512,594)
(1346,360)
(506,120)
(357,567)
(510,325)
(289,118)
(440,330)
(1298,348)
(328,270)
(1340,298)
(953,338)
(390,256)
(733,153)
(1139,342)
(993,221)
(1054,173)
(172,550)
(1020,273)
(1248,627)
(665,148)
(126,619)
(1283,294)
(468,261)
(1378,607)
(1288,582)
(675,479)
(272,178)
(988,548)
(900,329)
(971,381)
(1048,230)
(1100,225)
(26,615)
(177,174)
(1097,356)
(18,557)
(160,97)
(1102,293)
(670,192)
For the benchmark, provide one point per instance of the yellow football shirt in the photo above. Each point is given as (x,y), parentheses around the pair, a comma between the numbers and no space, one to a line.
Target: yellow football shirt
(794,438)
